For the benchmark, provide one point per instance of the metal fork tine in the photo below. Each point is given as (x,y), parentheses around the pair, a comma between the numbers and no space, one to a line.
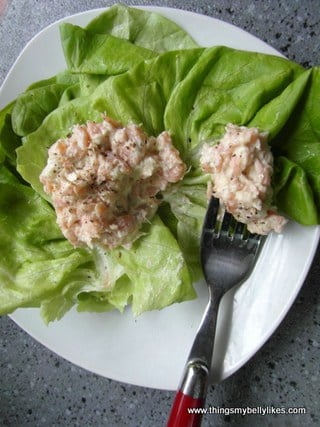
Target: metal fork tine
(240,230)
(209,224)
(227,222)
(211,215)
(255,240)
(228,227)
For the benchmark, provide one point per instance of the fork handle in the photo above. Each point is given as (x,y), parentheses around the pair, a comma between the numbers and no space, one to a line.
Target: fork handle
(189,400)
(193,389)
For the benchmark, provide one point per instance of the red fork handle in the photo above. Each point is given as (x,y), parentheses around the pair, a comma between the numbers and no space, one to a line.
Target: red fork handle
(181,414)
(188,404)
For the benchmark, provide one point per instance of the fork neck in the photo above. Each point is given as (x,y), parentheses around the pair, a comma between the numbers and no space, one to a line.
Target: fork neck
(202,348)
(197,372)
(215,293)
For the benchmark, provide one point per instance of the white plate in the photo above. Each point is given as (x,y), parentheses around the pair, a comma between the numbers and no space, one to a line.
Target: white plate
(151,350)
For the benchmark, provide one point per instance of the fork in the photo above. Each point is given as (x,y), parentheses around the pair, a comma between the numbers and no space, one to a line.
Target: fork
(228,253)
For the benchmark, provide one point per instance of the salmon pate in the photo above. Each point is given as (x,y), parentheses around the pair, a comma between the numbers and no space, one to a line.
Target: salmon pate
(241,167)
(103,180)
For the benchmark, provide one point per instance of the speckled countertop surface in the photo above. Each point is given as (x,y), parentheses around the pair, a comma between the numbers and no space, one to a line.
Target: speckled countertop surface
(38,388)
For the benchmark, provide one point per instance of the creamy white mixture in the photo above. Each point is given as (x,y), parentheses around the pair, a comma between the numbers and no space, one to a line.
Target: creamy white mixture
(241,167)
(103,180)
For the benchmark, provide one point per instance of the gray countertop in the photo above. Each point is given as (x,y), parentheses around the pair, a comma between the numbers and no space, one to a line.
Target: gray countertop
(38,388)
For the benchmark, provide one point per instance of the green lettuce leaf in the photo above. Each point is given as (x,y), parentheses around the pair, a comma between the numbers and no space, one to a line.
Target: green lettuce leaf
(226,86)
(188,204)
(300,139)
(143,28)
(90,53)
(151,275)
(293,193)
(9,141)
(157,270)
(35,104)
(36,261)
